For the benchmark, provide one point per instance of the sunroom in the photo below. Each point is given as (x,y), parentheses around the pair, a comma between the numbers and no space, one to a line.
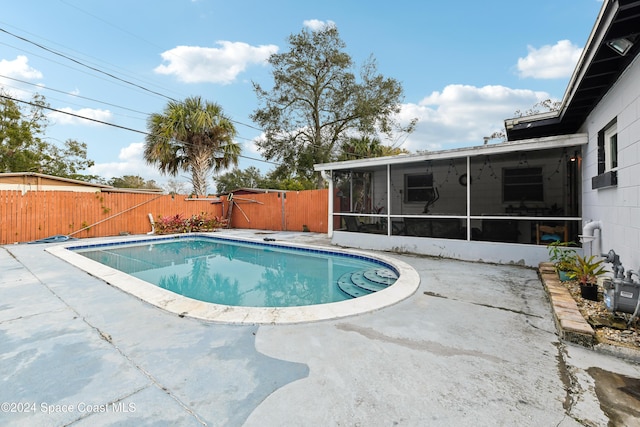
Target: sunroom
(512,197)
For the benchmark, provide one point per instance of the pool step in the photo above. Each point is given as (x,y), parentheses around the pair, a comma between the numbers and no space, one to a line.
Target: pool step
(363,282)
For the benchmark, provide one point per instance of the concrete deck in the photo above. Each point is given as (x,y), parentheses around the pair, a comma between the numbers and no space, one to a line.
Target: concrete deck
(476,345)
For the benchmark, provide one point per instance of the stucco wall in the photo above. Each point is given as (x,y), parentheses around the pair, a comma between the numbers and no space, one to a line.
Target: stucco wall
(618,208)
(499,253)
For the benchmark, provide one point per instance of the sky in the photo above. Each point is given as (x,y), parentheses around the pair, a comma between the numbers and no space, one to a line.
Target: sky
(464,65)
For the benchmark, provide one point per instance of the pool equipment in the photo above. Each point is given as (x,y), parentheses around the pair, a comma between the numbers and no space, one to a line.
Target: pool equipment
(622,293)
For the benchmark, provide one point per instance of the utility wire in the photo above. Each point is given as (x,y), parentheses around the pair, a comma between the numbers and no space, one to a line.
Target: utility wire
(85,65)
(71,114)
(112,124)
(124,81)
(123,71)
(104,102)
(73,94)
(59,63)
(111,24)
(98,101)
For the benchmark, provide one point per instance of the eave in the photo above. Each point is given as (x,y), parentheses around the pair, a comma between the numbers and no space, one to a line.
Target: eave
(597,71)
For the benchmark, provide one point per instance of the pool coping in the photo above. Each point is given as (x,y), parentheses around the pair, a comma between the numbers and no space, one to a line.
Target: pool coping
(406,285)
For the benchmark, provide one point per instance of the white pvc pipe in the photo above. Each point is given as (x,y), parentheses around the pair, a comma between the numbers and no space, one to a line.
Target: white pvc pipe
(590,227)
(588,233)
(153,224)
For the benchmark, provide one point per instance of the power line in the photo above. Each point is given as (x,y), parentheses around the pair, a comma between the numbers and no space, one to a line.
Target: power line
(56,62)
(85,65)
(110,75)
(106,103)
(113,66)
(110,124)
(71,114)
(73,94)
(111,24)
(109,103)
(130,83)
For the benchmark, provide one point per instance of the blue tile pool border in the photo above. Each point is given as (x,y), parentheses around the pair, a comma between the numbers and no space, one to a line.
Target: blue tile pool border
(195,236)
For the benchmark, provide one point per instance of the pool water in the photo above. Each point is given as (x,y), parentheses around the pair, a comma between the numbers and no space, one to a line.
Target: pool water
(237,273)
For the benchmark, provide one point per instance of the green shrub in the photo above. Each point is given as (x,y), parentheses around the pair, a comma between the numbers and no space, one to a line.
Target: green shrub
(586,270)
(194,223)
(562,255)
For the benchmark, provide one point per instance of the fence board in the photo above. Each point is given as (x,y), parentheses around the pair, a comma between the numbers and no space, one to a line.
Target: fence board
(39,214)
(289,211)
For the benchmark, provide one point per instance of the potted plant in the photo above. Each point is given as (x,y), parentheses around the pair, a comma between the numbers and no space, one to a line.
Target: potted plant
(563,257)
(586,271)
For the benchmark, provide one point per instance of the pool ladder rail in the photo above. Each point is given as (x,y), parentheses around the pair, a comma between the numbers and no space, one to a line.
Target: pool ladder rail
(364,282)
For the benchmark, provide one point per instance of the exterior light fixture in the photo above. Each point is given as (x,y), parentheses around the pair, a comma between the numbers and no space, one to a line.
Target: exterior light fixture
(621,46)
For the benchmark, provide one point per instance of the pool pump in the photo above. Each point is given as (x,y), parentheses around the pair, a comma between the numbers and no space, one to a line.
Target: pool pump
(622,293)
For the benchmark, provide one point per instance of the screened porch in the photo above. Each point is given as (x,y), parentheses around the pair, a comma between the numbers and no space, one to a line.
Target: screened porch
(526,193)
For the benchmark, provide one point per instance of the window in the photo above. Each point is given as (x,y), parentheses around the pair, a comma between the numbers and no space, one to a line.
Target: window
(418,187)
(611,147)
(607,157)
(522,185)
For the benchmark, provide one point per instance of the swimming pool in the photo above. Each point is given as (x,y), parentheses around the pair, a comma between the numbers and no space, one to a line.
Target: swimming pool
(211,278)
(229,272)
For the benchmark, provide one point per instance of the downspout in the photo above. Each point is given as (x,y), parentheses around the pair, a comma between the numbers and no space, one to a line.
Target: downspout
(588,234)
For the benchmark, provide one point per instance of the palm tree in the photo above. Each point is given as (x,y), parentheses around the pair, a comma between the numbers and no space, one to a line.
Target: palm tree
(366,147)
(191,136)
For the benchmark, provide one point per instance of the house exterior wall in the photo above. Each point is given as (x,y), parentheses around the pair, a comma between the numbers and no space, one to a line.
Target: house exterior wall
(486,181)
(26,183)
(500,253)
(617,207)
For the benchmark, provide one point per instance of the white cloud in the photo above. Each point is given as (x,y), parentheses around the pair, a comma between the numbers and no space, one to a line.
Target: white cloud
(67,119)
(194,64)
(131,162)
(550,62)
(249,148)
(457,116)
(317,25)
(462,115)
(19,68)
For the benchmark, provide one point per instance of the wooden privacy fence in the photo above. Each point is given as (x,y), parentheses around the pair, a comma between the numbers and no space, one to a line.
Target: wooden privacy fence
(39,214)
(290,211)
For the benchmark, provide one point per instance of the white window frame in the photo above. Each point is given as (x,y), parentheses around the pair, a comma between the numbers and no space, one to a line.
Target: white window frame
(409,189)
(611,148)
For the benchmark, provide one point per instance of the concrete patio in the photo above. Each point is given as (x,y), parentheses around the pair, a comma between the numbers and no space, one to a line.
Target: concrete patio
(476,345)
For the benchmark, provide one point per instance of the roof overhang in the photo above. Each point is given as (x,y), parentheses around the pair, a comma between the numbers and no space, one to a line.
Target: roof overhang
(78,183)
(545,143)
(37,175)
(599,67)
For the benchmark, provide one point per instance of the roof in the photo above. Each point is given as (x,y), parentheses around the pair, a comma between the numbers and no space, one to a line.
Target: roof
(597,71)
(41,176)
(41,179)
(533,144)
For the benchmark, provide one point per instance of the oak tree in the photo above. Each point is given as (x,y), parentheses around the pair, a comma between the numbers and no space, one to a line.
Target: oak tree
(317,102)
